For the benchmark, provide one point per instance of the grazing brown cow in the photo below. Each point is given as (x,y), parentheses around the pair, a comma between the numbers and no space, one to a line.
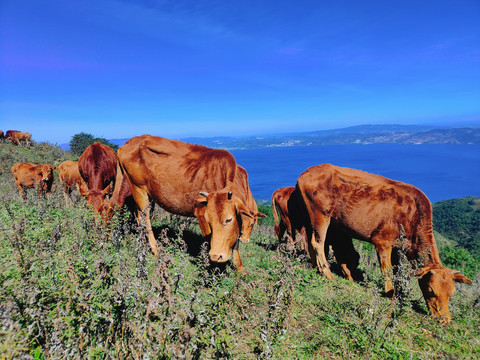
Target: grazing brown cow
(173,174)
(28,175)
(291,219)
(1,134)
(242,190)
(289,204)
(71,178)
(16,137)
(122,195)
(10,133)
(97,166)
(384,212)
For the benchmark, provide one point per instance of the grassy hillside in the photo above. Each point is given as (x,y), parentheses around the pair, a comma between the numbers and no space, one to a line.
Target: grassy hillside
(72,288)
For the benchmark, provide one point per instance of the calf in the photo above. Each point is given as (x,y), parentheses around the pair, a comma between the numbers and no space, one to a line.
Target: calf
(28,175)
(71,178)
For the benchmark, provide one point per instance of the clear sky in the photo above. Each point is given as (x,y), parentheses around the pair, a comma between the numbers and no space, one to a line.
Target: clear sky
(120,68)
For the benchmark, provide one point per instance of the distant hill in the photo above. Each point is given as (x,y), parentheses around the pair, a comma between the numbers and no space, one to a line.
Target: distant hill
(361,134)
(459,220)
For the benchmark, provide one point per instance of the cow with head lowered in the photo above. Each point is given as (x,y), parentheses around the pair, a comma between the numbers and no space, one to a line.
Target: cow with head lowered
(387,213)
(188,180)
(28,175)
(71,178)
(97,166)
(288,203)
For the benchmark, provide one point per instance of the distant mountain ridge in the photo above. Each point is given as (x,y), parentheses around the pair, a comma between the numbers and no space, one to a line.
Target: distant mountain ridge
(361,134)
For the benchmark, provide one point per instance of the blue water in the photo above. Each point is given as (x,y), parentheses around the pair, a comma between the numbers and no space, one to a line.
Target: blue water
(442,172)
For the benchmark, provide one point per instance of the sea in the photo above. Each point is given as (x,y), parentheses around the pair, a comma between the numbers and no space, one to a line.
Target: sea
(442,172)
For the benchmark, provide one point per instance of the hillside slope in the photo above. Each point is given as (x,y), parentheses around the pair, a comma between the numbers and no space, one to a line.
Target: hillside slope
(74,288)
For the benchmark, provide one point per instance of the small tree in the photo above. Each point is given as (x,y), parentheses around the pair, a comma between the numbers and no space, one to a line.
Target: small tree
(81,141)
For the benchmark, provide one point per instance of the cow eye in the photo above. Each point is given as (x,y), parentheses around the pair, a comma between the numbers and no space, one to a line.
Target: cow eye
(227,221)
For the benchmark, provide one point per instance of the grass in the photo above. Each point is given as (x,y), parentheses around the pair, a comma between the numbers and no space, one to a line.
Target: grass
(70,288)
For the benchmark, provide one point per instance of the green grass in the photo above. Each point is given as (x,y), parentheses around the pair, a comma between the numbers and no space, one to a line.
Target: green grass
(71,288)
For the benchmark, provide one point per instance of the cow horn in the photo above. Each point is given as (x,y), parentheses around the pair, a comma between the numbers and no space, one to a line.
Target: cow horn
(204,193)
(229,195)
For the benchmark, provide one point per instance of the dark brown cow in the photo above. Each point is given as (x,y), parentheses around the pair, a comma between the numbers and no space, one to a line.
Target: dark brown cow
(289,204)
(2,135)
(173,174)
(384,212)
(20,137)
(71,178)
(9,135)
(97,166)
(28,175)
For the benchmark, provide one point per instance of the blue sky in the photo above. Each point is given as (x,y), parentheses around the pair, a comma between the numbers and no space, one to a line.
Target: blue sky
(120,68)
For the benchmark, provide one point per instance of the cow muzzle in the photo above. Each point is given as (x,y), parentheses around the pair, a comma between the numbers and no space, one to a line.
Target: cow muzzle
(219,257)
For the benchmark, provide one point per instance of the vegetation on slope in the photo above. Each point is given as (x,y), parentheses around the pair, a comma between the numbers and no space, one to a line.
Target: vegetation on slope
(72,288)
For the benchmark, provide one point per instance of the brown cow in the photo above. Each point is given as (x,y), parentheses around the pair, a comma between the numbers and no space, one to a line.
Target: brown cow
(1,134)
(242,190)
(16,137)
(122,195)
(384,212)
(97,166)
(291,219)
(173,174)
(71,178)
(293,215)
(28,175)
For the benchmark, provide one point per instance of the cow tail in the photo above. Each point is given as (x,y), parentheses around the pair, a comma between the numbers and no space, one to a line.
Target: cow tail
(275,215)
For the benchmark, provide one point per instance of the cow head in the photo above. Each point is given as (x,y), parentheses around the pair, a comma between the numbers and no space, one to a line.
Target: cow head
(44,177)
(247,221)
(218,214)
(96,198)
(436,283)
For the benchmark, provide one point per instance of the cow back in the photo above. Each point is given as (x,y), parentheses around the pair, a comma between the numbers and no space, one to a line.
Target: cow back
(97,166)
(174,172)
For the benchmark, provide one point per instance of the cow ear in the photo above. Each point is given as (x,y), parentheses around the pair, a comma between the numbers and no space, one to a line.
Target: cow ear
(259,214)
(424,271)
(461,278)
(84,191)
(242,209)
(203,199)
(107,189)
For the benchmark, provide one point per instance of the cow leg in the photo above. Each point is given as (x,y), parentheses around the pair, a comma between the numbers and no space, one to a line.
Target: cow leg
(237,262)
(384,253)
(345,254)
(318,238)
(143,215)
(19,187)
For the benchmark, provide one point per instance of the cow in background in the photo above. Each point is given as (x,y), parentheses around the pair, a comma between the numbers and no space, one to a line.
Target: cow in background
(21,137)
(71,178)
(293,217)
(2,135)
(188,180)
(97,166)
(241,189)
(121,196)
(387,213)
(29,176)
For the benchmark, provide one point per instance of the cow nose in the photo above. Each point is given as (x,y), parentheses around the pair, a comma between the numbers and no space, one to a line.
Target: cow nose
(216,258)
